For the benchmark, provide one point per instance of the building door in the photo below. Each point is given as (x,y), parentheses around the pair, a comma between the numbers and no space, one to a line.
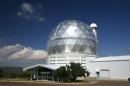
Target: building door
(105,73)
(98,74)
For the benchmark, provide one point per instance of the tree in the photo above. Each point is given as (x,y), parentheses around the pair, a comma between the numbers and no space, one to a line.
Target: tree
(13,75)
(75,70)
(61,73)
(1,72)
(69,72)
(88,73)
(25,75)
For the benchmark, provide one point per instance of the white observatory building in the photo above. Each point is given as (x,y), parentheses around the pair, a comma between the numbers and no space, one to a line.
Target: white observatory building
(72,41)
(75,41)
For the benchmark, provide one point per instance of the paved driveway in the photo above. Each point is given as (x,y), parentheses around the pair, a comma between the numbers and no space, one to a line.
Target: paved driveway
(111,83)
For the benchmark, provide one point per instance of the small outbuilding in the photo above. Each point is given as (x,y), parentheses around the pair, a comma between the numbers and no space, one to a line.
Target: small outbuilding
(41,71)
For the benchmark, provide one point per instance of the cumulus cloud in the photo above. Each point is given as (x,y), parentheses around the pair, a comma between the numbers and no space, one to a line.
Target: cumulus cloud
(28,11)
(14,52)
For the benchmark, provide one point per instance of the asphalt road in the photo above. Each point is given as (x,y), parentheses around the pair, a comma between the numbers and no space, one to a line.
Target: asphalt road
(95,83)
(111,83)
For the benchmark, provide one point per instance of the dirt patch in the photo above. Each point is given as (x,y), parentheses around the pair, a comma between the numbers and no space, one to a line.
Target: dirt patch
(36,84)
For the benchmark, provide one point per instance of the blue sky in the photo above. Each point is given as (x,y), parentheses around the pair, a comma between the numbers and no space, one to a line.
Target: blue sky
(26,24)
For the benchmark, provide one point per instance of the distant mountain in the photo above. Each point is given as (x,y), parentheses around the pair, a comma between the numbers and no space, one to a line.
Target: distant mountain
(12,69)
(8,69)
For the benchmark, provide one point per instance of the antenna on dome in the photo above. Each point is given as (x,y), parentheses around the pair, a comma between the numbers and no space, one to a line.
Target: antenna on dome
(93,26)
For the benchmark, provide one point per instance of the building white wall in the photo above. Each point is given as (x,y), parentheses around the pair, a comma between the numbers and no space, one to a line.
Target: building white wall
(63,59)
(116,67)
(119,69)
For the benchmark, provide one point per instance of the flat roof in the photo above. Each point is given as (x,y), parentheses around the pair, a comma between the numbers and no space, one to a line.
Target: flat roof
(48,66)
(112,58)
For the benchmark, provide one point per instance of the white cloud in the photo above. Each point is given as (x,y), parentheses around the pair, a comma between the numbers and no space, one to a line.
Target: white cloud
(19,13)
(29,11)
(41,19)
(27,7)
(14,52)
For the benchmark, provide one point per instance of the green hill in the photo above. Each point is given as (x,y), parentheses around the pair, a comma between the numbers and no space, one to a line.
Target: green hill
(7,70)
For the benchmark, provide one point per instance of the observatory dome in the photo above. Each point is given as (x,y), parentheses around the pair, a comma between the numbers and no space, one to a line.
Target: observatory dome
(72,36)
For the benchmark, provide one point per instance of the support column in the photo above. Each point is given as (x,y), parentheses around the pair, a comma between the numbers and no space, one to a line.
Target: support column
(67,60)
(42,76)
(47,76)
(80,59)
(31,74)
(37,73)
(56,60)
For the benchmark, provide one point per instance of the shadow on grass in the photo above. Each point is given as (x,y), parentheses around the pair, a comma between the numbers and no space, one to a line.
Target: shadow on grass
(73,81)
(15,79)
(76,81)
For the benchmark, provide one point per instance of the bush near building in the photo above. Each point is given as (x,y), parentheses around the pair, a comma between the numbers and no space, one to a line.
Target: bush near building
(61,74)
(25,75)
(1,73)
(69,72)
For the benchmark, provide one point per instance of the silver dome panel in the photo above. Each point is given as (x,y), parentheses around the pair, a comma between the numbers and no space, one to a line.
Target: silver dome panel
(72,36)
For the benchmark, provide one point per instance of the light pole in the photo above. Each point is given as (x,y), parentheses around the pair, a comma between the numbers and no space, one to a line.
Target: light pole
(129,68)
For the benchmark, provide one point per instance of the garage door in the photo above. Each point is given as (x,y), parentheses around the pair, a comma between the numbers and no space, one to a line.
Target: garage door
(105,73)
